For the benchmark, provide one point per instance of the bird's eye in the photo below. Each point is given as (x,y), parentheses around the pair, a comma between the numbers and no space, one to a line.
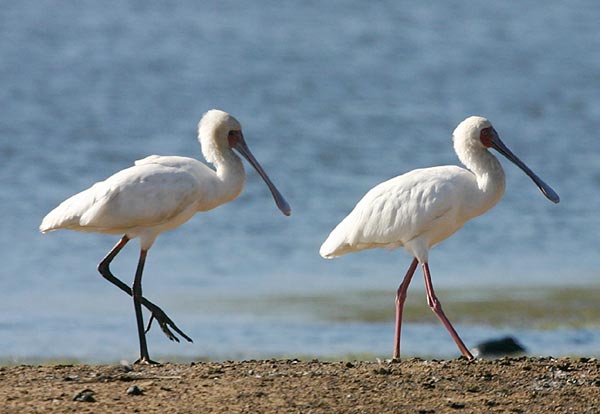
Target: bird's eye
(233,137)
(486,136)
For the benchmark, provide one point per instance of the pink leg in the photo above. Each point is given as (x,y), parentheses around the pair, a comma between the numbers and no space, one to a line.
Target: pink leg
(436,306)
(400,298)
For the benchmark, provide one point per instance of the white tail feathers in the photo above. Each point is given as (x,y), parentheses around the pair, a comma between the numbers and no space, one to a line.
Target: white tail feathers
(334,246)
(52,221)
(68,214)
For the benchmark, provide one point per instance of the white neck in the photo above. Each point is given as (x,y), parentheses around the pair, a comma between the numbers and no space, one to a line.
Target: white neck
(229,170)
(490,178)
(232,177)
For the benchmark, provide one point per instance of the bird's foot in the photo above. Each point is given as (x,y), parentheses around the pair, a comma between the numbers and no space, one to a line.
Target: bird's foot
(165,323)
(145,361)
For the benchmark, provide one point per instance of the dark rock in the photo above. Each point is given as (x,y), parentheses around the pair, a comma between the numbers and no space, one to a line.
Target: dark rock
(457,405)
(86,395)
(134,390)
(496,348)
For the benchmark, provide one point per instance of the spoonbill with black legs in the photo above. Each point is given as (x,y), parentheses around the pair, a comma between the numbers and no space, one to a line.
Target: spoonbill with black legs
(158,194)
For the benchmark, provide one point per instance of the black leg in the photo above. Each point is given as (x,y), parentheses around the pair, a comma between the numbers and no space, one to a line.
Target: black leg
(137,305)
(157,313)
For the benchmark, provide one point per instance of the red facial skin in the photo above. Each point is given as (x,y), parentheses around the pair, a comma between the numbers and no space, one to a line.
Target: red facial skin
(233,138)
(486,137)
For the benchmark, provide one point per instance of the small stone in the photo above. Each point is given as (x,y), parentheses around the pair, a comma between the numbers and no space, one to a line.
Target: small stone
(457,405)
(86,395)
(214,371)
(134,390)
(430,383)
(125,366)
(382,371)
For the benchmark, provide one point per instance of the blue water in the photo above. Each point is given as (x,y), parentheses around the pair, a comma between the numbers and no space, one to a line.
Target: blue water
(334,98)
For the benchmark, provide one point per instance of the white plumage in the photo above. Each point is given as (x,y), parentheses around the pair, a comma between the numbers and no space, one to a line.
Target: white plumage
(158,194)
(423,207)
(385,217)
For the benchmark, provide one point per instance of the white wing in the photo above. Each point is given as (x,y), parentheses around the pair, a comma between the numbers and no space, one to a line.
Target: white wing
(153,191)
(421,202)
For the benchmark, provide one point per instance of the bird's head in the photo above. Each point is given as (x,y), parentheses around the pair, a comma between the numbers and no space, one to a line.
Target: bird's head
(475,135)
(214,132)
(219,133)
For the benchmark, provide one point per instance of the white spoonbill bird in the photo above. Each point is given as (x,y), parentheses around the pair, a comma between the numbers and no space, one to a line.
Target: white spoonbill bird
(419,209)
(158,194)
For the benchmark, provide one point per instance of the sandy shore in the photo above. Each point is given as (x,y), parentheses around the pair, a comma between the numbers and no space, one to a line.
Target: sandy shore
(522,385)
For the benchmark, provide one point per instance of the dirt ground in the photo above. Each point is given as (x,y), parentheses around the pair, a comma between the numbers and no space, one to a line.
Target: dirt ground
(521,385)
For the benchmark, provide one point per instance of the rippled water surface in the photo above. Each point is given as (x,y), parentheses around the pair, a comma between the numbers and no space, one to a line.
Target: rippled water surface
(334,98)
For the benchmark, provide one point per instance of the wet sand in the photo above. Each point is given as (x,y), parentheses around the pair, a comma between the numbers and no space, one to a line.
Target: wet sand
(520,385)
